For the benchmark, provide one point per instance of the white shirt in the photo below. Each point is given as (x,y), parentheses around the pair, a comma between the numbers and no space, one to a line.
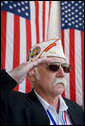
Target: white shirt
(59,118)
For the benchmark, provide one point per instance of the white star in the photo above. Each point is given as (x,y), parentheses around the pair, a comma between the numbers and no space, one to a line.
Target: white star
(66,16)
(69,24)
(76,4)
(19,10)
(66,21)
(80,13)
(76,21)
(80,19)
(80,7)
(26,7)
(26,1)
(1,4)
(22,3)
(72,2)
(80,24)
(14,5)
(23,9)
(18,4)
(73,22)
(72,8)
(26,14)
(10,7)
(63,25)
(5,2)
(63,19)
(69,5)
(80,1)
(76,10)
(76,26)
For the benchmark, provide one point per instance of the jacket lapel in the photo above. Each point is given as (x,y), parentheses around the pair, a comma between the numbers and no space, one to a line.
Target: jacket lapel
(73,112)
(35,113)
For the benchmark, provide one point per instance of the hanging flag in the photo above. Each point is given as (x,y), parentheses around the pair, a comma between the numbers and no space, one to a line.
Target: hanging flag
(72,20)
(24,23)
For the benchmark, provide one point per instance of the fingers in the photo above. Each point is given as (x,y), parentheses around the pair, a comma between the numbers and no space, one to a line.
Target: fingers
(38,61)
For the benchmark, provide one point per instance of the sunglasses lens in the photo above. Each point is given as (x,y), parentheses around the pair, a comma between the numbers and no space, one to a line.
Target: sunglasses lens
(53,67)
(66,68)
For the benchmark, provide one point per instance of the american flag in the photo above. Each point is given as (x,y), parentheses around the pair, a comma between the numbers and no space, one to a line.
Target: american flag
(25,23)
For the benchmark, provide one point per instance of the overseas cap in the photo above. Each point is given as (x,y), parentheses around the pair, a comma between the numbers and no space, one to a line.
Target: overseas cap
(51,47)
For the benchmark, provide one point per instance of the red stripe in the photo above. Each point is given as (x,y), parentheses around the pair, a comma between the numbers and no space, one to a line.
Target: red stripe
(72,63)
(82,55)
(43,20)
(37,20)
(62,39)
(49,17)
(65,118)
(3,38)
(28,39)
(16,53)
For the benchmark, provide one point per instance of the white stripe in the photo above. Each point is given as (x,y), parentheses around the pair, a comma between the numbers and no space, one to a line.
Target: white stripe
(22,86)
(40,20)
(33,26)
(66,39)
(46,18)
(9,42)
(78,68)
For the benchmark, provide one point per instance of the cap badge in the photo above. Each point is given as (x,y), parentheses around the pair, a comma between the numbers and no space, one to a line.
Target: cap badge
(35,51)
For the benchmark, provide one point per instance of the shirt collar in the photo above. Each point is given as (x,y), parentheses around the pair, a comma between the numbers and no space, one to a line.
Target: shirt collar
(46,105)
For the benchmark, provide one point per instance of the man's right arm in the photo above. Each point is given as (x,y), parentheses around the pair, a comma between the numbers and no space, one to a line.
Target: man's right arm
(7,82)
(16,76)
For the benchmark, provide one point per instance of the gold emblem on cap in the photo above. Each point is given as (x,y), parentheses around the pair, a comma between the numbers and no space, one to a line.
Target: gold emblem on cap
(52,52)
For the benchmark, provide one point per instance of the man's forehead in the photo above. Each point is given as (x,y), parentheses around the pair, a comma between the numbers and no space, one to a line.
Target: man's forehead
(57,59)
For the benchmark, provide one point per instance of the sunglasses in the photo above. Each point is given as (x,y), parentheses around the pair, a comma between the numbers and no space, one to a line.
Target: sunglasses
(54,67)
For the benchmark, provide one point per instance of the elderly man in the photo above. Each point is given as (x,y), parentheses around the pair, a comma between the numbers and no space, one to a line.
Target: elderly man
(46,69)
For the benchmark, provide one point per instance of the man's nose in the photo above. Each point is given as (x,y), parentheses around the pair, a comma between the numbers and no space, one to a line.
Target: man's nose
(60,72)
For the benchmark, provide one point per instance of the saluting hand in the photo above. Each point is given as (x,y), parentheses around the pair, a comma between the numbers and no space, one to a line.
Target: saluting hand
(21,72)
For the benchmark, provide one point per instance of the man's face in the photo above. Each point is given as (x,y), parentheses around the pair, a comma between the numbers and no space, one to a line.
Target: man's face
(46,79)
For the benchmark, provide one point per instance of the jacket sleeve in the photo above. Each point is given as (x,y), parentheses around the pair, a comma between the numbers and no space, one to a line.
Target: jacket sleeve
(7,85)
(7,82)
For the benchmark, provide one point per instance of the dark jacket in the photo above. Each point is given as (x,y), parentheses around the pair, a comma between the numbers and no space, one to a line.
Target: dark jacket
(20,109)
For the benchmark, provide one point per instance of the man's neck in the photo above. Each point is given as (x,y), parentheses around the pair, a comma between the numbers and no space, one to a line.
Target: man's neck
(52,100)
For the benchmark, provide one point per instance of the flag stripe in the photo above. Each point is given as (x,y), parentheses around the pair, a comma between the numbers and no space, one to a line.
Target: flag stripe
(48,17)
(67,43)
(9,41)
(82,54)
(40,20)
(78,67)
(33,27)
(62,38)
(72,63)
(44,20)
(3,38)
(37,21)
(16,51)
(28,46)
(22,86)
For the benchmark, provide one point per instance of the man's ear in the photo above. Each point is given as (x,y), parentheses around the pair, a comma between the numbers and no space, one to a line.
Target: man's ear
(31,75)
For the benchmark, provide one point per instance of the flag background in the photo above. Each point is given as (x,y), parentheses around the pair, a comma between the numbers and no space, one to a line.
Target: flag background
(23,24)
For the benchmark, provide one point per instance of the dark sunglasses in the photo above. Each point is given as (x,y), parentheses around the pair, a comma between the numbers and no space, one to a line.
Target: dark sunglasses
(55,67)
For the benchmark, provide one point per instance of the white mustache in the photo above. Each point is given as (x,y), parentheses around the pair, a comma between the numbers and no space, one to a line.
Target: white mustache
(59,80)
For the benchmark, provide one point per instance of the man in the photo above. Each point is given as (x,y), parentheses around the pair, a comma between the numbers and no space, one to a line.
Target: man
(46,69)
